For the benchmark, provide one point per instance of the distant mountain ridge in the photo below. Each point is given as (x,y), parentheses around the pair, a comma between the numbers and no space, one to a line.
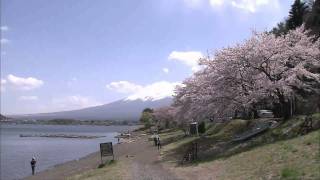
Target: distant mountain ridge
(2,117)
(122,110)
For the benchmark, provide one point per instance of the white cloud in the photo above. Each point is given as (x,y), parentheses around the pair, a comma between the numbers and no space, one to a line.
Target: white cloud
(73,102)
(4,41)
(21,83)
(28,98)
(124,87)
(165,70)
(4,28)
(246,5)
(216,2)
(193,3)
(189,58)
(154,91)
(253,5)
(3,82)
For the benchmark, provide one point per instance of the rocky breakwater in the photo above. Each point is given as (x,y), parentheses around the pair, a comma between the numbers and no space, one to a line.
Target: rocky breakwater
(61,136)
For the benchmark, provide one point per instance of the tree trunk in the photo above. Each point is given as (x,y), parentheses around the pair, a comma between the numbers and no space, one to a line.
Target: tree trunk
(285,107)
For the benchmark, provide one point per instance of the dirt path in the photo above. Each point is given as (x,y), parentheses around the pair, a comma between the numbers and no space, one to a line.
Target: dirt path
(145,163)
(142,158)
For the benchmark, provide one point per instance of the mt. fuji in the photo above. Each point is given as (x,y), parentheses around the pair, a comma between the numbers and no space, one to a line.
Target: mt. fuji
(128,109)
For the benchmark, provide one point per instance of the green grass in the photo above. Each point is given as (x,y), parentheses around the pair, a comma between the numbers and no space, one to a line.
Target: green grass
(290,173)
(214,128)
(288,159)
(217,132)
(106,163)
(212,147)
(230,129)
(111,170)
(178,144)
(172,135)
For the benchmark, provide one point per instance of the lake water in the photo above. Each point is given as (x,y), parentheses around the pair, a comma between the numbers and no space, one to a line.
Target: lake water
(16,151)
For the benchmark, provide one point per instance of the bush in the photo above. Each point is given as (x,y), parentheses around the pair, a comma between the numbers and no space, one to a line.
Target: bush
(289,173)
(202,127)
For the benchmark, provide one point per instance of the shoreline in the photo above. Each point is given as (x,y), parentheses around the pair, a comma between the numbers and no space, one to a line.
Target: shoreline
(85,163)
(88,157)
(67,124)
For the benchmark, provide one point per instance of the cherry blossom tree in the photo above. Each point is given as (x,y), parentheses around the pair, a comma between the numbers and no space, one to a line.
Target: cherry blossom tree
(265,70)
(165,116)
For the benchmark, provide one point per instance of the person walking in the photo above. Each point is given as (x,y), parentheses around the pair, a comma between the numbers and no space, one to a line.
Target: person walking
(158,142)
(33,164)
(155,139)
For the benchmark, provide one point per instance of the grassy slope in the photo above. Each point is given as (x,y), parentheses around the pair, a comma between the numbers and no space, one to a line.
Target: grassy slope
(296,158)
(112,171)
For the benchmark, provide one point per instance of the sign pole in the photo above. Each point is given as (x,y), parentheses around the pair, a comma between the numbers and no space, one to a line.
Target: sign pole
(101,160)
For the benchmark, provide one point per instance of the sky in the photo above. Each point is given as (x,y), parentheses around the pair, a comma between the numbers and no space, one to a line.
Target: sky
(70,54)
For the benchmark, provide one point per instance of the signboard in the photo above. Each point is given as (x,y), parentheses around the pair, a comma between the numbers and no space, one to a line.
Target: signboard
(106,149)
(193,128)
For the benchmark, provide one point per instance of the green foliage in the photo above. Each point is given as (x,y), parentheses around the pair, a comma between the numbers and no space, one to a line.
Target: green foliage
(290,173)
(148,110)
(313,18)
(202,127)
(147,117)
(296,14)
(281,29)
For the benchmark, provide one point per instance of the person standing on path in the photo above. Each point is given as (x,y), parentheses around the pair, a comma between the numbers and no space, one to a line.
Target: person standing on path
(33,164)
(158,142)
(155,139)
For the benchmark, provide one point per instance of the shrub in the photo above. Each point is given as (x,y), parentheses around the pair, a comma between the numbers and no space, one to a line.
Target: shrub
(202,127)
(289,173)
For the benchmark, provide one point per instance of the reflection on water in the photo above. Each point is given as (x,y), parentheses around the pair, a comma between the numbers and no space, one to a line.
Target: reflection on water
(16,152)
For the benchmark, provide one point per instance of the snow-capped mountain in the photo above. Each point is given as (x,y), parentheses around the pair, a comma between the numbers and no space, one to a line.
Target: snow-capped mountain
(128,109)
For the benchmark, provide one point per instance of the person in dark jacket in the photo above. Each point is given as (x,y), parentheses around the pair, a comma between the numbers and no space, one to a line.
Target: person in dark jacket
(155,140)
(33,164)
(158,142)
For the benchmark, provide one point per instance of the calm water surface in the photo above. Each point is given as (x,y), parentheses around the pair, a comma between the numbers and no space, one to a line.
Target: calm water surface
(16,152)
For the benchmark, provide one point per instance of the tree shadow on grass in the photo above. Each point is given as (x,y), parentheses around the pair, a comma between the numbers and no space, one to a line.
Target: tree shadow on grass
(223,150)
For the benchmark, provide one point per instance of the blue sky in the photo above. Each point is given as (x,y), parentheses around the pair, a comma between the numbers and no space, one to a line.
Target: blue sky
(63,55)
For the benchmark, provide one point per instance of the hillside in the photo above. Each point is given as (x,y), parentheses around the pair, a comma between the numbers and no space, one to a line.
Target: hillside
(296,158)
(281,152)
(122,110)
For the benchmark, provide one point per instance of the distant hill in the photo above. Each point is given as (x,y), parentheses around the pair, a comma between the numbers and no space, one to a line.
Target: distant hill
(122,110)
(2,117)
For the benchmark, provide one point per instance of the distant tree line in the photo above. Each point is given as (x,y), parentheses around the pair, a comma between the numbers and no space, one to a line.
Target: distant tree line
(301,12)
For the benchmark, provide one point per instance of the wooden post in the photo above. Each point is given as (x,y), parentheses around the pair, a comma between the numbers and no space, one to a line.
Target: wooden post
(196,150)
(101,158)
